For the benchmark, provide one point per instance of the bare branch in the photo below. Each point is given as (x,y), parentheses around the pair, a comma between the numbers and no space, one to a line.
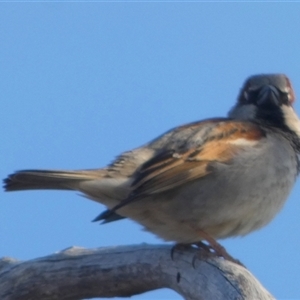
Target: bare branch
(78,273)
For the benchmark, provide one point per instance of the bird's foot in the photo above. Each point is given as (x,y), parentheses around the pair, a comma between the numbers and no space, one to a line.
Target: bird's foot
(214,249)
(180,247)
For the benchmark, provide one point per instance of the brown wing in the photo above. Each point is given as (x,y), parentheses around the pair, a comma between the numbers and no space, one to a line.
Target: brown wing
(171,168)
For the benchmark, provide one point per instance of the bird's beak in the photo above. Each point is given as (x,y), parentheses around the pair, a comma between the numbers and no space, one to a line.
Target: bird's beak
(267,95)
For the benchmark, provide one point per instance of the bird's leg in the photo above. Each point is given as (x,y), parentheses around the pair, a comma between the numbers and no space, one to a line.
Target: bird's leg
(204,246)
(218,249)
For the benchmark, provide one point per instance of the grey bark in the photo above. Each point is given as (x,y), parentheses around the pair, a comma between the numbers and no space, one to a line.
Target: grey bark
(123,271)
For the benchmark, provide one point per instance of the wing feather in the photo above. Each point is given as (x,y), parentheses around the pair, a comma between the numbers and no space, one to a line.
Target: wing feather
(171,168)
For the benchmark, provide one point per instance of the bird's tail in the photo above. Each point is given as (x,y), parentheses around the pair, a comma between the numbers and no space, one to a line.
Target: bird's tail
(49,179)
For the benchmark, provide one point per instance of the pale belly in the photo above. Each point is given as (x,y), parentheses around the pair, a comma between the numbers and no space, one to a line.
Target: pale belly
(235,200)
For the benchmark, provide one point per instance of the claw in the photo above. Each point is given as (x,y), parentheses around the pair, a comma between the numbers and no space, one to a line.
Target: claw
(213,249)
(179,247)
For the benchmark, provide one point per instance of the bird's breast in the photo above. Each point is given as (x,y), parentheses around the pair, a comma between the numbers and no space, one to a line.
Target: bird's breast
(234,199)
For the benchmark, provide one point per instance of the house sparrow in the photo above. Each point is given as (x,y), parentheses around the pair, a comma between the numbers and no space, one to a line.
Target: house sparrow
(206,180)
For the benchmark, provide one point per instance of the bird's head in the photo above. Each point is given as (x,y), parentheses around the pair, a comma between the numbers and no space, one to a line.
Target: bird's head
(268,99)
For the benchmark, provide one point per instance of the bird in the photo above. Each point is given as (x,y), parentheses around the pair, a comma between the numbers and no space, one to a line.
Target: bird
(203,181)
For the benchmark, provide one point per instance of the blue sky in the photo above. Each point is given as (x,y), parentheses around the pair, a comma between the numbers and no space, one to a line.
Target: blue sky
(82,82)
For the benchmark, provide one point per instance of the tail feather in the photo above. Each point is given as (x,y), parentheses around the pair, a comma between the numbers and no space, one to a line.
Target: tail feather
(108,216)
(48,179)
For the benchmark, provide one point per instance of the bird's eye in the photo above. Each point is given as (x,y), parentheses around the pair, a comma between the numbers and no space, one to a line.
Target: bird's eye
(286,98)
(289,95)
(250,94)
